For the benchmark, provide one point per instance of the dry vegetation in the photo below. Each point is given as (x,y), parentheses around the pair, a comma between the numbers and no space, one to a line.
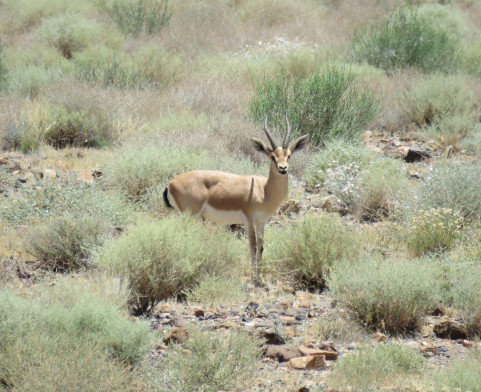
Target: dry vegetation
(103,101)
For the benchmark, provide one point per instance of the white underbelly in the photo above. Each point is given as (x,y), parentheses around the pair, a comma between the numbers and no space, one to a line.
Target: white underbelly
(224,217)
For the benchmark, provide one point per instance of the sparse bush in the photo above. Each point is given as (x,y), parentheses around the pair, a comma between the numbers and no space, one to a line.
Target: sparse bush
(108,67)
(214,362)
(138,171)
(158,65)
(136,16)
(446,15)
(215,291)
(465,289)
(65,243)
(307,251)
(3,69)
(389,295)
(471,59)
(68,338)
(334,154)
(70,33)
(408,39)
(433,230)
(462,375)
(64,125)
(68,195)
(328,103)
(388,365)
(168,257)
(335,327)
(32,79)
(437,98)
(455,186)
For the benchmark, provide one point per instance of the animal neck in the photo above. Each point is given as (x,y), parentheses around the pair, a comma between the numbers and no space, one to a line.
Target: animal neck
(276,188)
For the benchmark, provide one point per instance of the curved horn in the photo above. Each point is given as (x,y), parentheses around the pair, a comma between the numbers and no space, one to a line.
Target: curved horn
(285,143)
(273,144)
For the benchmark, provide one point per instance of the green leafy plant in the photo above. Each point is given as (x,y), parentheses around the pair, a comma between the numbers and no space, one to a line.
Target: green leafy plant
(326,104)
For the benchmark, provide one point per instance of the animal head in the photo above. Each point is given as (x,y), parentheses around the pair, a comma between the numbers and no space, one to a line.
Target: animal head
(280,155)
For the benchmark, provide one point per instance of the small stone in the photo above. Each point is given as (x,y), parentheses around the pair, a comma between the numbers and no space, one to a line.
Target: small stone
(282,353)
(176,335)
(415,155)
(329,355)
(228,324)
(272,338)
(450,329)
(309,362)
(199,312)
(367,134)
(305,299)
(288,320)
(49,173)
(380,337)
(467,343)
(179,321)
(3,161)
(165,308)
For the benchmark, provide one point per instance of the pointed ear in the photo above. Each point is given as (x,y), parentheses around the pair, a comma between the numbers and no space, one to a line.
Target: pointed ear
(300,143)
(260,146)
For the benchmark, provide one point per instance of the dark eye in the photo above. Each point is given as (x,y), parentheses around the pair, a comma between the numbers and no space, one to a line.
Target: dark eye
(273,159)
(289,157)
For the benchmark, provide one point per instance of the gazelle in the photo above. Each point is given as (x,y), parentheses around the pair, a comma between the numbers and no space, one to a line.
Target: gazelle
(233,199)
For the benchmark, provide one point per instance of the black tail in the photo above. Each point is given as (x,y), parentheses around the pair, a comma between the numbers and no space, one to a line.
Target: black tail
(166,199)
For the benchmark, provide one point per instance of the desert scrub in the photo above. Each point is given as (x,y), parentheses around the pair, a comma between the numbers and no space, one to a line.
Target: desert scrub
(433,231)
(464,292)
(336,327)
(65,195)
(3,69)
(212,362)
(387,365)
(71,33)
(407,39)
(307,251)
(158,65)
(32,79)
(165,258)
(108,67)
(453,185)
(136,172)
(471,59)
(390,295)
(70,124)
(329,103)
(43,333)
(437,98)
(334,154)
(137,16)
(450,17)
(65,243)
(216,291)
(462,375)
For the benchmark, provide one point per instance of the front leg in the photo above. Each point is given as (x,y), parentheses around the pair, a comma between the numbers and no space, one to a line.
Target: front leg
(260,248)
(251,235)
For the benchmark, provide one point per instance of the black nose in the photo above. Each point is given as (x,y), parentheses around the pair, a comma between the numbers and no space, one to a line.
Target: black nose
(283,169)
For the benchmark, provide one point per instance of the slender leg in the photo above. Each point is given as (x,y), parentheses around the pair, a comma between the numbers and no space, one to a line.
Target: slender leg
(251,234)
(260,248)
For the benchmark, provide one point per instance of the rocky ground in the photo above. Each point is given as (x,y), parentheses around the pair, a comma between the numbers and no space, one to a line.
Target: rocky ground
(296,356)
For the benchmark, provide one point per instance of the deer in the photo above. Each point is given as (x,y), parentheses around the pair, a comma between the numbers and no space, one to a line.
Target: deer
(229,199)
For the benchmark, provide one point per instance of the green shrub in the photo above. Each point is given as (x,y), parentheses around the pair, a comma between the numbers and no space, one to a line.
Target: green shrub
(65,243)
(407,39)
(3,69)
(434,230)
(67,338)
(471,58)
(437,98)
(32,79)
(216,290)
(165,258)
(214,362)
(158,65)
(462,375)
(390,295)
(70,33)
(465,289)
(334,154)
(455,186)
(136,16)
(108,67)
(68,195)
(328,103)
(387,365)
(446,15)
(136,172)
(307,251)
